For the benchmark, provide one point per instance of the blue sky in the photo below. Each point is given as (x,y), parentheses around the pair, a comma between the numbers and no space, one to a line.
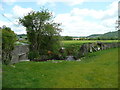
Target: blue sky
(78,17)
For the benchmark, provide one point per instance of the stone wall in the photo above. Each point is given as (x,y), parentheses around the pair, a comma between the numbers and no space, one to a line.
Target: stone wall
(93,47)
(20,53)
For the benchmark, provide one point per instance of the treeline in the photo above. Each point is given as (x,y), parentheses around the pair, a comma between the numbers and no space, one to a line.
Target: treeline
(86,38)
(103,38)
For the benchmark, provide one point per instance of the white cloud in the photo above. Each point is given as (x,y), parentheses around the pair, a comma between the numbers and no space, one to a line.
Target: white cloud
(4,23)
(19,11)
(111,11)
(13,23)
(109,22)
(86,12)
(76,24)
(19,30)
(15,27)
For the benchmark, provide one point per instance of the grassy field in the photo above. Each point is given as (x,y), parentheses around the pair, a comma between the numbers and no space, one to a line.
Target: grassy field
(86,41)
(80,42)
(97,70)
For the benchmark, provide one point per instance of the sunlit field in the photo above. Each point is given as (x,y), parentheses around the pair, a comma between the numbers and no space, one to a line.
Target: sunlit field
(87,41)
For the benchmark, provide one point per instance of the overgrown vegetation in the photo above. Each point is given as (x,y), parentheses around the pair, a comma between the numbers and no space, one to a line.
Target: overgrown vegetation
(8,40)
(97,70)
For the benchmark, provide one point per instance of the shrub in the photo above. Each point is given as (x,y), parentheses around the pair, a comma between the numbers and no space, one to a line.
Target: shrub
(73,50)
(33,55)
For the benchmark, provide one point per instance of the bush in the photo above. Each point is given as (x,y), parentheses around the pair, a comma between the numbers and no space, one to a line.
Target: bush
(33,55)
(73,50)
(58,55)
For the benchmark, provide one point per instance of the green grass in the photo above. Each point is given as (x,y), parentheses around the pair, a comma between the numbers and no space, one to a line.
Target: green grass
(86,41)
(78,43)
(97,70)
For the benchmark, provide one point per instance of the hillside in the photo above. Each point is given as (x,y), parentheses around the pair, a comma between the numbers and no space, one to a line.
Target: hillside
(109,35)
(94,36)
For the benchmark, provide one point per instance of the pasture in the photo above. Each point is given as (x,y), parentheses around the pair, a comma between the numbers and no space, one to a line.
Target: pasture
(78,43)
(68,42)
(97,70)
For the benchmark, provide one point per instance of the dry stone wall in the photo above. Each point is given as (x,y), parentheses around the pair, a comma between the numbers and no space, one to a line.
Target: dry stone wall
(21,52)
(93,47)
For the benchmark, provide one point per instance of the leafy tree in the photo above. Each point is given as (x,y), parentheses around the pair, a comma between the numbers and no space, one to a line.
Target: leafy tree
(42,32)
(8,40)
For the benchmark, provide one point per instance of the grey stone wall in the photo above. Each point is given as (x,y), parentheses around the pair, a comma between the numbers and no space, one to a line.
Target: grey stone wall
(20,53)
(93,47)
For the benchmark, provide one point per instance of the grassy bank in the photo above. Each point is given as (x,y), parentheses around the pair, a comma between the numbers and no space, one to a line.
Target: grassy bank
(97,70)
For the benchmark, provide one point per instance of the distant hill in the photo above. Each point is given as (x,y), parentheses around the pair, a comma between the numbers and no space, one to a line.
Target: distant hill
(94,36)
(109,35)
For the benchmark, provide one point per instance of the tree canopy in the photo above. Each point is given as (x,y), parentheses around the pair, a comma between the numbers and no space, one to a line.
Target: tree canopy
(43,33)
